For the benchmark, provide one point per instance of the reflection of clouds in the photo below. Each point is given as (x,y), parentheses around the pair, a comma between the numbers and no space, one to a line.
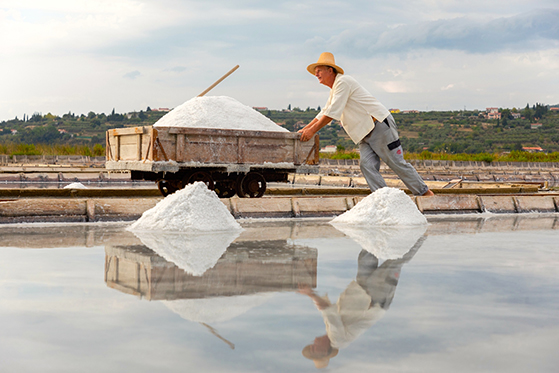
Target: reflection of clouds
(194,253)
(212,310)
(384,242)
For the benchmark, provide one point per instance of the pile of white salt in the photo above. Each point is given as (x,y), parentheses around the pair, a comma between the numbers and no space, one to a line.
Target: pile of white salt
(217,112)
(384,207)
(75,186)
(193,209)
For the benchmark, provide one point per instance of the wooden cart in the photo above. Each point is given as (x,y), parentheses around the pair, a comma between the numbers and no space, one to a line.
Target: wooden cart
(228,161)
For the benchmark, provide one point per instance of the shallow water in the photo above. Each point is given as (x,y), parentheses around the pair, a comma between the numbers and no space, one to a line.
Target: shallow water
(466,294)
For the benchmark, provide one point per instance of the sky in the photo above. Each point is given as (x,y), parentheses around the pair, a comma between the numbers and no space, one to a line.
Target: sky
(78,56)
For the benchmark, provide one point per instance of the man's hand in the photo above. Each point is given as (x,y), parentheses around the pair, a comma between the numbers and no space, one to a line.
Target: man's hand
(313,127)
(307,133)
(305,290)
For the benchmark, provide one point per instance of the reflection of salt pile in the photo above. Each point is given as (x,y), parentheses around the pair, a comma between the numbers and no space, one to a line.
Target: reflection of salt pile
(75,186)
(386,207)
(192,209)
(217,112)
(194,253)
(212,310)
(384,242)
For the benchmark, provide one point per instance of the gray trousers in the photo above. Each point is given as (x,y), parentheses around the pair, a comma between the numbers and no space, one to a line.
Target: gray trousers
(383,143)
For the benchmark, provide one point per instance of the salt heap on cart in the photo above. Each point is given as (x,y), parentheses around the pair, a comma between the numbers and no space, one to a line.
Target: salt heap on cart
(217,112)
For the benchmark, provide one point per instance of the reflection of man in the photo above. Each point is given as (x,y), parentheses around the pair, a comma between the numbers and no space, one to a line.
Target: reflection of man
(362,304)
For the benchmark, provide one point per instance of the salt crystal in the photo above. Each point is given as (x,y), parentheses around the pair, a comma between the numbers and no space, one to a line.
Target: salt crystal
(75,186)
(384,207)
(193,209)
(217,112)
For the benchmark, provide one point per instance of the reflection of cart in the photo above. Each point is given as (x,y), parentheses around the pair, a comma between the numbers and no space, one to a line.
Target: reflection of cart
(228,161)
(248,267)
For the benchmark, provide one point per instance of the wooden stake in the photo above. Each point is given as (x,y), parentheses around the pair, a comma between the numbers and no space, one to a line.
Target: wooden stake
(218,81)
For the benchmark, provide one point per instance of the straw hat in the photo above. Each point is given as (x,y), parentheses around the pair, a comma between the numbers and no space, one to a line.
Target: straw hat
(325,59)
(319,361)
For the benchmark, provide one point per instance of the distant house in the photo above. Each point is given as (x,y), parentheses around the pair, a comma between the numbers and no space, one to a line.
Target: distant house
(533,149)
(410,111)
(260,108)
(394,111)
(164,109)
(328,149)
(554,108)
(62,131)
(492,113)
(13,132)
(516,115)
(536,126)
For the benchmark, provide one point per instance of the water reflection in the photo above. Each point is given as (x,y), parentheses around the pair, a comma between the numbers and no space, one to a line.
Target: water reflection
(201,287)
(194,253)
(367,298)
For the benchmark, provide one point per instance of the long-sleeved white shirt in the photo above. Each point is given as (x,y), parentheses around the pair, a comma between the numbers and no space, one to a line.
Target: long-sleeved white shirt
(351,316)
(354,107)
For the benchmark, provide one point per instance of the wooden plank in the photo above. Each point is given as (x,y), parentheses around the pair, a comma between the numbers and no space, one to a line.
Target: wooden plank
(498,204)
(535,203)
(448,203)
(229,132)
(129,131)
(181,146)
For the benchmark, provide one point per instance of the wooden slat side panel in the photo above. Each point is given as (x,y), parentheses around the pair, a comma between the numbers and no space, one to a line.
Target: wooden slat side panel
(260,150)
(228,132)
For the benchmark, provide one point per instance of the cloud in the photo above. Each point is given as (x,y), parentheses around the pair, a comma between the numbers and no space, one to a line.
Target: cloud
(132,74)
(176,69)
(529,31)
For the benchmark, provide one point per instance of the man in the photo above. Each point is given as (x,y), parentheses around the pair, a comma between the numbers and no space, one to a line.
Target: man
(367,122)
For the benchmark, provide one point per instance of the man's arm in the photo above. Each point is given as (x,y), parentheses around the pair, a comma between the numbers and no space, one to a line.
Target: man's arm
(313,127)
(320,302)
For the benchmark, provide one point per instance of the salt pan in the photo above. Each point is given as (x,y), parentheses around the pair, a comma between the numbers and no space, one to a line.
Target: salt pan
(384,207)
(193,209)
(217,112)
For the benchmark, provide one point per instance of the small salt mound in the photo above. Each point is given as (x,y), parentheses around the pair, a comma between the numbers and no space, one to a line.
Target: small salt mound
(75,186)
(217,112)
(384,242)
(193,253)
(192,209)
(386,206)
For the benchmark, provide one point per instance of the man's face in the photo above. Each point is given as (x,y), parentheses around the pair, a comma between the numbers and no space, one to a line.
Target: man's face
(321,346)
(325,75)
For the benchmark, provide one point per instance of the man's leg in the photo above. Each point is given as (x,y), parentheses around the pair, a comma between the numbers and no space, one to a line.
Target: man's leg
(384,141)
(370,165)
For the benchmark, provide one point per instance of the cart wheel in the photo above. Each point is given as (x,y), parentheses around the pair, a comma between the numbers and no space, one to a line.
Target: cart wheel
(253,185)
(166,187)
(202,176)
(224,189)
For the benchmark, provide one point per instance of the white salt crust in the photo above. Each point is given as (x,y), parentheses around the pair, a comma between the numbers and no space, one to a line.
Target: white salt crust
(217,112)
